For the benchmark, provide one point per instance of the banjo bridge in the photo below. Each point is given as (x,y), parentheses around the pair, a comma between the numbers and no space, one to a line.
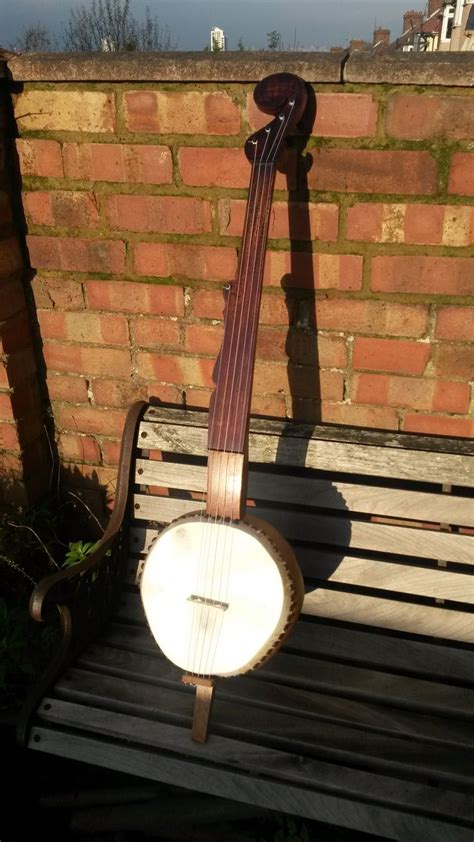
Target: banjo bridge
(205,600)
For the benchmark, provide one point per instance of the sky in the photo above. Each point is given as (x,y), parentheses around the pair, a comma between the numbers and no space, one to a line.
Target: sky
(309,24)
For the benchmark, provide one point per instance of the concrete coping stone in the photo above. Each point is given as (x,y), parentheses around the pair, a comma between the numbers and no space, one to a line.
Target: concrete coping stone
(390,67)
(398,68)
(172,67)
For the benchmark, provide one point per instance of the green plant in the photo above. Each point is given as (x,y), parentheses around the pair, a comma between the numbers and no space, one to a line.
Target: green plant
(78,551)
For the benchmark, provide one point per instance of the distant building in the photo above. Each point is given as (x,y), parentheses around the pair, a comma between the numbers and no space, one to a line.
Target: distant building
(218,40)
(457,29)
(381,38)
(448,25)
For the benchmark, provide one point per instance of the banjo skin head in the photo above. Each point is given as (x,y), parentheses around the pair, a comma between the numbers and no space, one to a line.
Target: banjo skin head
(220,596)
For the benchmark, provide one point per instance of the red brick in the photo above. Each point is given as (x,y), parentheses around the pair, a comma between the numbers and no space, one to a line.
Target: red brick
(301,347)
(423,275)
(64,208)
(364,222)
(65,110)
(269,405)
(111,452)
(393,355)
(155,299)
(455,362)
(410,392)
(159,214)
(63,293)
(9,437)
(461,179)
(11,260)
(207,304)
(134,163)
(386,318)
(156,333)
(6,408)
(455,323)
(438,425)
(373,171)
(192,371)
(121,393)
(197,262)
(303,270)
(88,419)
(198,398)
(190,112)
(83,360)
(84,327)
(447,225)
(212,167)
(64,388)
(337,115)
(81,448)
(308,221)
(451,397)
(76,255)
(203,339)
(22,400)
(298,381)
(374,417)
(40,157)
(52,324)
(419,117)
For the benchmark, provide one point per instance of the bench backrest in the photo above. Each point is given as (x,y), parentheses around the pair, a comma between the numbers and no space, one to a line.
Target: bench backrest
(382,524)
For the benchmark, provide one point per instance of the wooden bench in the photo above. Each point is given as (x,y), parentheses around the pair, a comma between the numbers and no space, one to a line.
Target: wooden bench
(365,718)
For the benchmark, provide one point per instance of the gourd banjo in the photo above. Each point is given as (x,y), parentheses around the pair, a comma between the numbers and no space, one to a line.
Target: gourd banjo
(221,589)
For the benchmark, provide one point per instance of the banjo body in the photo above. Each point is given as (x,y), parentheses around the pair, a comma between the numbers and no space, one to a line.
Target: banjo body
(220,597)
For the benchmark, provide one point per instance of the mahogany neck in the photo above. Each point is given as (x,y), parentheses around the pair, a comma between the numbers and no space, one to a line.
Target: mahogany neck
(230,405)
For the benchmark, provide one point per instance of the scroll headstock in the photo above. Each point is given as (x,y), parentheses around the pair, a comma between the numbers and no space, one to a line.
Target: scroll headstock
(284,95)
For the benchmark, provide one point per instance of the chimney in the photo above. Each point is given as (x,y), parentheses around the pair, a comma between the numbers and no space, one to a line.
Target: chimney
(381,36)
(412,20)
(433,6)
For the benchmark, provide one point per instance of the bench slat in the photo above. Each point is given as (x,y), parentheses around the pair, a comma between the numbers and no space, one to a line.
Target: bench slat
(263,760)
(375,500)
(440,727)
(421,466)
(368,682)
(391,614)
(299,525)
(340,809)
(363,647)
(398,755)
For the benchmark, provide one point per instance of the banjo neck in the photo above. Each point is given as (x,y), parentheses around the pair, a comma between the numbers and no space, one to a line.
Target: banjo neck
(284,96)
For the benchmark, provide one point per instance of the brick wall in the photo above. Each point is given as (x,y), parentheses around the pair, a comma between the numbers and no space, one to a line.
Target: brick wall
(134,192)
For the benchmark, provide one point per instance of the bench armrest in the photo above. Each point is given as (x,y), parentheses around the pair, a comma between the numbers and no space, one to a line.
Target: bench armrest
(97,578)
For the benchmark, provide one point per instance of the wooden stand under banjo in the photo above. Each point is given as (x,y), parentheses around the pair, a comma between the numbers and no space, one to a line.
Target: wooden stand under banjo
(221,590)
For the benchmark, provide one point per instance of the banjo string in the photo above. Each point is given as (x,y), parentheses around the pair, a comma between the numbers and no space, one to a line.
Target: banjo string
(244,373)
(200,642)
(235,334)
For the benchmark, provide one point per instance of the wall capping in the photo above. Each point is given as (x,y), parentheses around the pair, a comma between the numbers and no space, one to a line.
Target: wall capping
(172,67)
(397,68)
(445,69)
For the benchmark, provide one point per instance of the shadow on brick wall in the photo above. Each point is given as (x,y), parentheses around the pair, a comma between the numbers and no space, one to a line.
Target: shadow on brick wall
(304,376)
(35,462)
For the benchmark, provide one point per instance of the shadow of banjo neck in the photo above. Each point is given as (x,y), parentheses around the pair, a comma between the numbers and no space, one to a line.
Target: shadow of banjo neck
(282,95)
